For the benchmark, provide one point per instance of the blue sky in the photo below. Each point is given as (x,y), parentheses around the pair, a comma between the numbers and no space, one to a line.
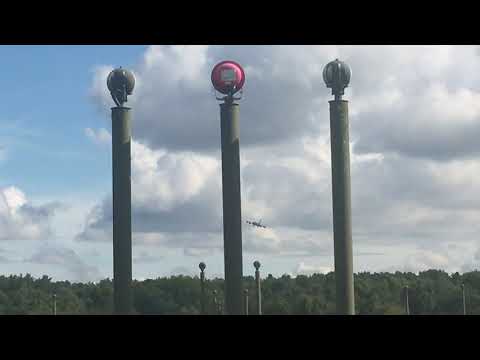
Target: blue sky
(46,109)
(47,106)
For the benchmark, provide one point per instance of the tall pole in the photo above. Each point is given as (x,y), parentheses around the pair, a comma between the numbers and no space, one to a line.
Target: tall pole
(337,76)
(407,305)
(54,304)
(202,267)
(463,298)
(246,301)
(256,264)
(232,213)
(228,78)
(120,83)
(122,223)
(217,306)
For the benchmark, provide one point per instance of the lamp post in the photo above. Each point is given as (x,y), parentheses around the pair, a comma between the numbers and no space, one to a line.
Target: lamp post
(256,264)
(407,305)
(228,78)
(217,306)
(246,301)
(121,82)
(54,304)
(336,75)
(463,300)
(202,267)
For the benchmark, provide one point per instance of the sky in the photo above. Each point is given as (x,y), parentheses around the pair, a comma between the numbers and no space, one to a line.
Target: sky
(414,119)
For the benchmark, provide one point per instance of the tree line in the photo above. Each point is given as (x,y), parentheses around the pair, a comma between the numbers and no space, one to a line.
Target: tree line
(430,292)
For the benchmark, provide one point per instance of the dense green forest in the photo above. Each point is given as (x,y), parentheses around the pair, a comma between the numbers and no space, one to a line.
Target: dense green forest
(430,292)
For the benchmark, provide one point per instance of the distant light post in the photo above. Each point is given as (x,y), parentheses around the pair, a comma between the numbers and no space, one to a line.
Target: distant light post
(217,305)
(246,301)
(256,264)
(228,78)
(202,267)
(407,305)
(336,75)
(121,82)
(463,298)
(54,304)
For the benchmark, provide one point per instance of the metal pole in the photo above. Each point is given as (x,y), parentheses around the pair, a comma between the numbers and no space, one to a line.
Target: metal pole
(432,306)
(220,309)
(202,288)
(259,288)
(232,214)
(246,301)
(464,303)
(215,302)
(54,304)
(122,222)
(407,305)
(342,222)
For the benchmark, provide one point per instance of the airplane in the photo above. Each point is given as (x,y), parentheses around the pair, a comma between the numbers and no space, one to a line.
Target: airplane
(257,224)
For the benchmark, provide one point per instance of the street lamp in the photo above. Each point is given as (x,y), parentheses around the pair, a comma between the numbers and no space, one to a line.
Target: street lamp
(217,306)
(256,264)
(463,298)
(407,305)
(202,267)
(120,83)
(54,304)
(228,79)
(336,75)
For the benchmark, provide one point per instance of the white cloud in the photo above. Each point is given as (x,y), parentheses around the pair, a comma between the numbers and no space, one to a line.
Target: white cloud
(13,198)
(21,220)
(99,91)
(146,257)
(68,259)
(307,269)
(163,179)
(100,136)
(425,260)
